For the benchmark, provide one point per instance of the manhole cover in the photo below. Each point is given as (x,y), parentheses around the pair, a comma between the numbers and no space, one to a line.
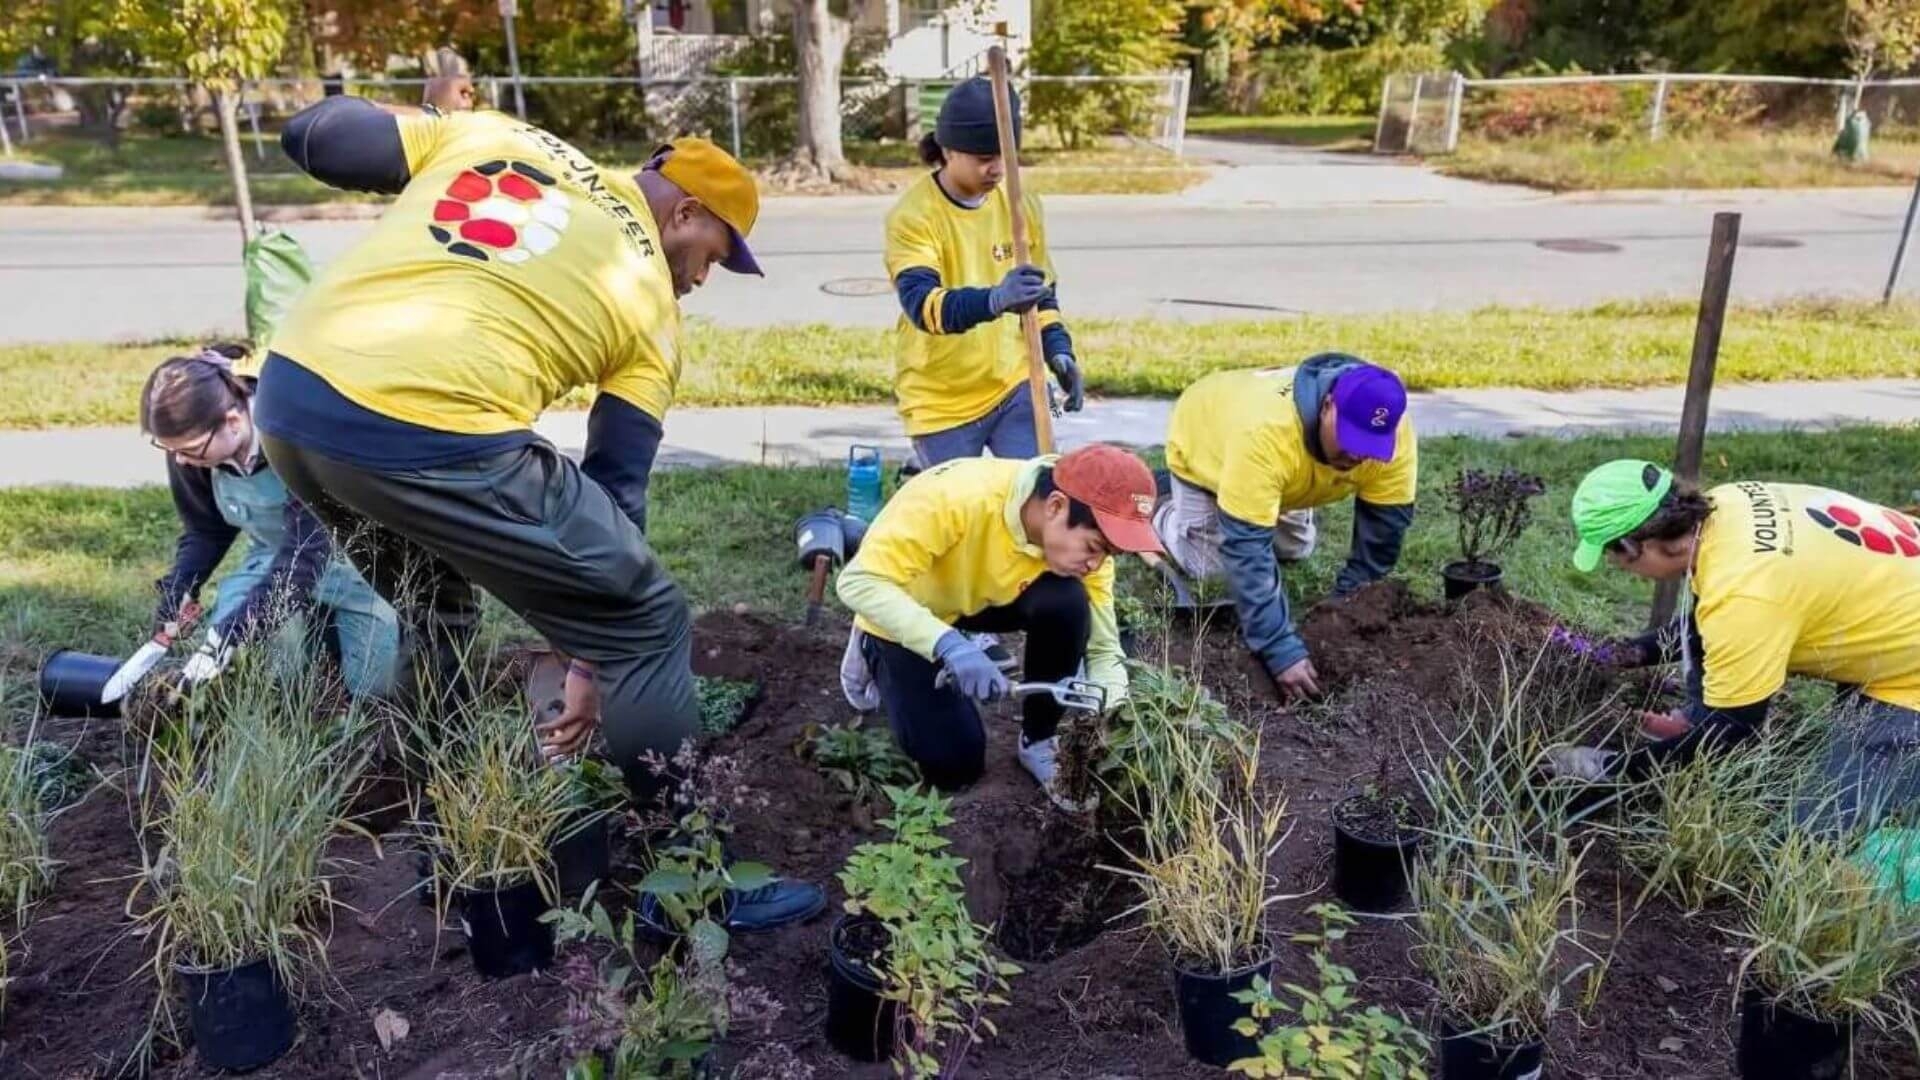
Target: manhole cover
(1770,242)
(857,286)
(1578,247)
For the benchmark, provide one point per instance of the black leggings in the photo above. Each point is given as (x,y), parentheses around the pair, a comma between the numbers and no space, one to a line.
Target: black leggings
(940,728)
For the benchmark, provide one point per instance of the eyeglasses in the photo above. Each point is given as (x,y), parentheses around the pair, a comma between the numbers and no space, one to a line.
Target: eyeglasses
(198,453)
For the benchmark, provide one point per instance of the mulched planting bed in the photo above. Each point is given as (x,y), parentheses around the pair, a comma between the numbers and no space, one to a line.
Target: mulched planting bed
(1096,998)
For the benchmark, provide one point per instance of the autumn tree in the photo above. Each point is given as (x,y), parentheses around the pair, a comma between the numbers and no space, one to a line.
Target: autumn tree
(219,44)
(1099,37)
(1881,35)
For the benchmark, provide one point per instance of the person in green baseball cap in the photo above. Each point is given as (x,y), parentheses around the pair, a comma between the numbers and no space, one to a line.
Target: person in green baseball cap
(1781,579)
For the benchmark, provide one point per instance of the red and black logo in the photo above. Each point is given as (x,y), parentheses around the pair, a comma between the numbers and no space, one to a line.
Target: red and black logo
(1876,528)
(502,210)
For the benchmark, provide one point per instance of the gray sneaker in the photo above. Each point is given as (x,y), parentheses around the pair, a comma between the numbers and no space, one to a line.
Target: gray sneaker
(1042,759)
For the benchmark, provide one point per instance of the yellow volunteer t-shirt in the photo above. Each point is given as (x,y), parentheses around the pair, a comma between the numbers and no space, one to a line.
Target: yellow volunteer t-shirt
(950,544)
(1237,434)
(945,380)
(1791,579)
(510,271)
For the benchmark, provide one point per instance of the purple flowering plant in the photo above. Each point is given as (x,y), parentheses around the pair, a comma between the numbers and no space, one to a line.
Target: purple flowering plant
(1491,510)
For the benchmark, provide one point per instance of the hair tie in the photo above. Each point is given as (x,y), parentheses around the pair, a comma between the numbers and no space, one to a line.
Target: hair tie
(211,355)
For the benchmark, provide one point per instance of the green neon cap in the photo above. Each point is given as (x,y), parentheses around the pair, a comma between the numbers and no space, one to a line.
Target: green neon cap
(1612,501)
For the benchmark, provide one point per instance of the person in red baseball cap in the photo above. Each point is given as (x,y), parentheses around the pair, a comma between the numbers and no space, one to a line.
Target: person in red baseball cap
(991,545)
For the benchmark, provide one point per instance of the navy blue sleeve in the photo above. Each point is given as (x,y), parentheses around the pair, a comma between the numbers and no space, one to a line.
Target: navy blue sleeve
(288,586)
(348,143)
(622,441)
(957,310)
(205,537)
(1713,730)
(1378,532)
(1253,579)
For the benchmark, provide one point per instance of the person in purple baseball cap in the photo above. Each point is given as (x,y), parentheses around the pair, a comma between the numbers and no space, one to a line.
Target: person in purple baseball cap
(1251,453)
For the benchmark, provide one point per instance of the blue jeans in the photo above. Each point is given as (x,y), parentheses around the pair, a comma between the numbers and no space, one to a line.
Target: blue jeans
(1007,431)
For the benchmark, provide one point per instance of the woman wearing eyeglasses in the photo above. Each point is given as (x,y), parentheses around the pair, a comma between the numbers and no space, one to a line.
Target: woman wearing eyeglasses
(199,412)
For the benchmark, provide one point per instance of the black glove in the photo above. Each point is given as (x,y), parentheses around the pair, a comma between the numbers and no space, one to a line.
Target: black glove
(1019,291)
(1071,384)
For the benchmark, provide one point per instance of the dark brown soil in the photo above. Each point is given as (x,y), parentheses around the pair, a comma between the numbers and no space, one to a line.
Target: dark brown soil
(1096,997)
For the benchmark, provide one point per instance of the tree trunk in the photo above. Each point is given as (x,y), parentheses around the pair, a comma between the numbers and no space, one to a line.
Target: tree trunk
(820,37)
(227,104)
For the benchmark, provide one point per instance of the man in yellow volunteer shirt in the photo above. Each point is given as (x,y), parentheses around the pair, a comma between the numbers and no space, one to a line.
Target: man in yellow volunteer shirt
(401,392)
(997,545)
(961,377)
(1252,452)
(1782,579)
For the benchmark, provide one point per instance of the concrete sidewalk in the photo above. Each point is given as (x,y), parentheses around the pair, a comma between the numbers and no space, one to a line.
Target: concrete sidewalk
(802,435)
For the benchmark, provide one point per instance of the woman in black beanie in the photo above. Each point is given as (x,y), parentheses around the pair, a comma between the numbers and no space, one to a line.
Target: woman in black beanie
(962,370)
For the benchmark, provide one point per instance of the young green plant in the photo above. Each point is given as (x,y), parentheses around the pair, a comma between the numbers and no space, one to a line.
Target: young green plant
(937,964)
(691,876)
(1331,1037)
(861,761)
(496,805)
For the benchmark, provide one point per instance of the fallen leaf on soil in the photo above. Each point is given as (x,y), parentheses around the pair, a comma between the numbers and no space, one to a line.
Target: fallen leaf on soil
(1673,1045)
(1666,984)
(391,1027)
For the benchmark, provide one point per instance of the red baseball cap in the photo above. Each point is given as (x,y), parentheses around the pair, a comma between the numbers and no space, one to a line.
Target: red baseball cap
(1118,487)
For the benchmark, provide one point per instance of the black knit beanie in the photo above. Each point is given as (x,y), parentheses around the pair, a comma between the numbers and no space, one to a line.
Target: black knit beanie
(966,118)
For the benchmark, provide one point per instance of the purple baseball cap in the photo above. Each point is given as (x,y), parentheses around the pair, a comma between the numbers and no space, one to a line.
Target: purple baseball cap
(1368,403)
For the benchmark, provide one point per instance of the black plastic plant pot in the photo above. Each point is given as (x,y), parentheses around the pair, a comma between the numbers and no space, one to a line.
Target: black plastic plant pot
(1777,1043)
(860,1022)
(1208,1012)
(1461,578)
(1466,1056)
(504,931)
(1369,874)
(71,684)
(584,855)
(242,1017)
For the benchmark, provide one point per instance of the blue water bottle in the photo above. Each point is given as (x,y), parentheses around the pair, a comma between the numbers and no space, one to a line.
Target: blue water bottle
(863,481)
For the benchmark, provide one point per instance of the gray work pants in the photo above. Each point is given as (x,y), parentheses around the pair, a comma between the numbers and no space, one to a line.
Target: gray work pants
(1188,524)
(529,527)
(1870,770)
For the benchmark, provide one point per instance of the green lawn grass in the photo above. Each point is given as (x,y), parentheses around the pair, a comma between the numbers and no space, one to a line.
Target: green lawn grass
(76,565)
(1754,160)
(184,170)
(1322,132)
(1619,345)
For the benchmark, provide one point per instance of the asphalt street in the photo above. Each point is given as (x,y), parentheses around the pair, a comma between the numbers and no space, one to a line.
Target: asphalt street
(1225,251)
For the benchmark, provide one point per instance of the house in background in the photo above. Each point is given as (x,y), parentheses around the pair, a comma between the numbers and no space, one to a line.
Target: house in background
(925,39)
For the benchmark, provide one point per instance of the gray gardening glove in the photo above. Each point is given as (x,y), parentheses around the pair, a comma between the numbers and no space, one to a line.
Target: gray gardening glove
(1589,763)
(1020,290)
(968,667)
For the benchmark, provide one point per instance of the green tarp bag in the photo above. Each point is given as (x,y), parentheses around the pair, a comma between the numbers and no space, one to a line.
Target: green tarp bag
(1892,857)
(1851,145)
(278,271)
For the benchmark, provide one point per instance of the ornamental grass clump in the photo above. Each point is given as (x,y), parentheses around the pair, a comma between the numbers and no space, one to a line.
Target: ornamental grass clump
(243,820)
(1703,829)
(27,804)
(1825,939)
(496,804)
(1170,736)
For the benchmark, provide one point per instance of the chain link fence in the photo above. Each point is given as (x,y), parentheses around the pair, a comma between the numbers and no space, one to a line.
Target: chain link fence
(755,116)
(1429,113)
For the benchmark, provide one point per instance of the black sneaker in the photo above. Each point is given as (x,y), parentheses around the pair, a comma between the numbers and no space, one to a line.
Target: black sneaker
(771,906)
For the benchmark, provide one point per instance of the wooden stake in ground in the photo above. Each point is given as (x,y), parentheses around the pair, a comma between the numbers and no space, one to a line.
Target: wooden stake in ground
(1030,319)
(1706,355)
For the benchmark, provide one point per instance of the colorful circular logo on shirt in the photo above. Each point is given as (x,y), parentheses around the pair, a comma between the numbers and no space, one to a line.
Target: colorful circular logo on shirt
(1876,528)
(502,210)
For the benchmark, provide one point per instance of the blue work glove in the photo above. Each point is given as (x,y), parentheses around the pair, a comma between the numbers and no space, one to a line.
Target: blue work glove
(1020,290)
(970,668)
(1071,384)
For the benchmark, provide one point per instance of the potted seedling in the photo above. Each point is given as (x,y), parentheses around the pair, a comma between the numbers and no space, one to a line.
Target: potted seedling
(1202,871)
(1331,1037)
(240,880)
(1376,833)
(497,807)
(1828,949)
(1490,511)
(583,846)
(911,975)
(693,885)
(1497,934)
